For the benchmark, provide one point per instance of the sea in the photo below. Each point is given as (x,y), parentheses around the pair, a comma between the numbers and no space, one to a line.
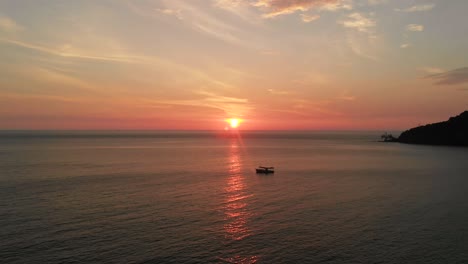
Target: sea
(194,197)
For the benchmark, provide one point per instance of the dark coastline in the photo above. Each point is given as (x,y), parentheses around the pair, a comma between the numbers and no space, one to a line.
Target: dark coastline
(453,132)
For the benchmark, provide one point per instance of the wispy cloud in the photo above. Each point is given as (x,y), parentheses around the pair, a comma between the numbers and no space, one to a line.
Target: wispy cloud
(212,97)
(377,2)
(275,8)
(171,12)
(363,47)
(58,77)
(9,25)
(207,23)
(359,22)
(231,106)
(415,27)
(405,45)
(345,96)
(322,107)
(432,70)
(417,8)
(310,78)
(241,8)
(270,52)
(278,92)
(226,4)
(55,52)
(453,77)
(309,18)
(361,36)
(337,5)
(72,54)
(44,97)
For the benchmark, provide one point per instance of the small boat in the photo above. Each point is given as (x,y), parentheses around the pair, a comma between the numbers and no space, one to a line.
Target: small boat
(265,170)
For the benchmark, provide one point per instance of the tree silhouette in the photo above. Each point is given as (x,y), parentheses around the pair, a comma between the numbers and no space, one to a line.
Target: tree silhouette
(387,137)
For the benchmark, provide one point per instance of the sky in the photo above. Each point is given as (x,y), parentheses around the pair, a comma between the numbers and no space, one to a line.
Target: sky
(194,64)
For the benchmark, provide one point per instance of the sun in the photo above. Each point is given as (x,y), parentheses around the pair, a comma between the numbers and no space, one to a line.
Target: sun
(234,122)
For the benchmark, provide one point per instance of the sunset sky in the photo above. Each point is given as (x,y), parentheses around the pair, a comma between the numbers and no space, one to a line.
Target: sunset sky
(194,64)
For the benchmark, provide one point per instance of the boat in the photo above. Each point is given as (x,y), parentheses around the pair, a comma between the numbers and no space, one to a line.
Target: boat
(265,170)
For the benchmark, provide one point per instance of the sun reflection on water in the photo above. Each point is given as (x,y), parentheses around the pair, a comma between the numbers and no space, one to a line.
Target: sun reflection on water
(235,206)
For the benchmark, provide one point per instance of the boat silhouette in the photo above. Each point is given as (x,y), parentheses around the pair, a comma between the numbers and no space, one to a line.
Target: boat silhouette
(265,170)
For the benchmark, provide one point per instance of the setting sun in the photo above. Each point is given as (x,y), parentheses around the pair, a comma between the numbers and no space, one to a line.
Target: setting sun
(234,122)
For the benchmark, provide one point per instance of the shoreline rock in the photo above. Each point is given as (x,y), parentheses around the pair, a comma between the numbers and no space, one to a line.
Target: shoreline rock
(453,132)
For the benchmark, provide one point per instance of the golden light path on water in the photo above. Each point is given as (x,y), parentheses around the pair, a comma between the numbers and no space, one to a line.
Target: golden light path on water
(236,211)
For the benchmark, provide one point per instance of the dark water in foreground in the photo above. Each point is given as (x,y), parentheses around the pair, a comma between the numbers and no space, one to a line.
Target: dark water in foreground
(194,198)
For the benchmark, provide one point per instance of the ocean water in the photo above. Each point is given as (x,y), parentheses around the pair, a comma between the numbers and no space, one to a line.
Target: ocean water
(194,197)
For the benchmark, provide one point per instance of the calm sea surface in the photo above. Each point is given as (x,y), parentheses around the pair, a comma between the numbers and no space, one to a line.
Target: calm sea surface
(194,197)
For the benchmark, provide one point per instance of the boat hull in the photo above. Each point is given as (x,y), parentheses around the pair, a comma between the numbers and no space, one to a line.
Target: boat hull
(264,171)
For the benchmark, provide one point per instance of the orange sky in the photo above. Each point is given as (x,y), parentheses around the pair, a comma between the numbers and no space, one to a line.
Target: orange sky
(173,64)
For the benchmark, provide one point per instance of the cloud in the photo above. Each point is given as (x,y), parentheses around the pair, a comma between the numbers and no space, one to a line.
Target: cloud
(417,8)
(53,52)
(228,3)
(345,96)
(309,18)
(415,27)
(313,79)
(405,45)
(377,2)
(240,8)
(338,5)
(57,76)
(432,70)
(8,25)
(363,47)
(212,97)
(205,22)
(71,54)
(270,52)
(278,92)
(177,13)
(283,7)
(453,77)
(231,106)
(359,22)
